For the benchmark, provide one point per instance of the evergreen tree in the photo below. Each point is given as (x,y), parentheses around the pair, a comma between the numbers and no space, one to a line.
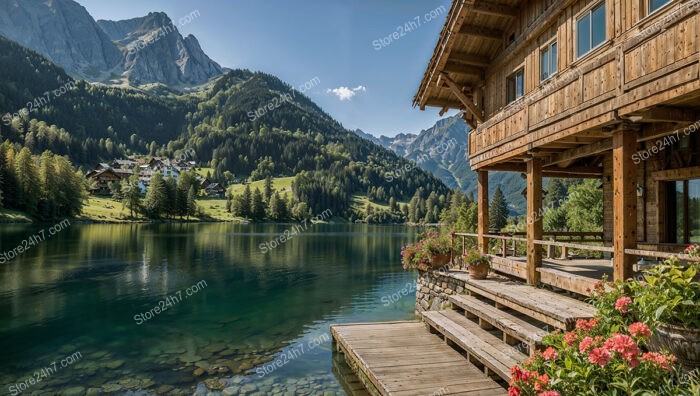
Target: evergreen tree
(71,196)
(393,207)
(301,211)
(155,202)
(556,194)
(498,211)
(257,205)
(191,202)
(268,188)
(131,194)
(584,207)
(171,198)
(28,180)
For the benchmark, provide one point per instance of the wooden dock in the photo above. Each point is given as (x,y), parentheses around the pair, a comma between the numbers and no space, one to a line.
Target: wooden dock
(402,358)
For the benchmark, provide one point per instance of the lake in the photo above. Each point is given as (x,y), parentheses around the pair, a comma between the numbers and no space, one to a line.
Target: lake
(191,308)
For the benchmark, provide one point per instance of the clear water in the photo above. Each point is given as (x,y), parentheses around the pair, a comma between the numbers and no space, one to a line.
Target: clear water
(258,325)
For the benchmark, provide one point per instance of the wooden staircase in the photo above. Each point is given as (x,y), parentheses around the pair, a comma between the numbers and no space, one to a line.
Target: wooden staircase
(499,322)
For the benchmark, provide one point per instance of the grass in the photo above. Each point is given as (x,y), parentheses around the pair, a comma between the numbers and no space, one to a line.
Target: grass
(215,208)
(281,184)
(359,202)
(14,216)
(104,209)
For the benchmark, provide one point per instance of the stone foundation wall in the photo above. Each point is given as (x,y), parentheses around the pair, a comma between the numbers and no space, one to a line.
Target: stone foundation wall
(433,288)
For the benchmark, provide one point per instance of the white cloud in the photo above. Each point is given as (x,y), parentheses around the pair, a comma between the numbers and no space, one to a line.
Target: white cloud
(345,93)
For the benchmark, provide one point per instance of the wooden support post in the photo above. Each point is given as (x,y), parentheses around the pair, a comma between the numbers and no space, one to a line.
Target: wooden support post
(483,204)
(624,202)
(550,249)
(503,248)
(534,219)
(564,253)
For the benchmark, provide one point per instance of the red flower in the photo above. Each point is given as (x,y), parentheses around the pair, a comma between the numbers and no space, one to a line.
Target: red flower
(549,393)
(625,346)
(657,358)
(622,303)
(513,391)
(570,338)
(516,373)
(639,329)
(599,356)
(585,344)
(541,382)
(550,354)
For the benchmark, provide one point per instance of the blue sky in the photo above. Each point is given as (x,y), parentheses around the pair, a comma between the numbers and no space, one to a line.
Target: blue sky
(298,40)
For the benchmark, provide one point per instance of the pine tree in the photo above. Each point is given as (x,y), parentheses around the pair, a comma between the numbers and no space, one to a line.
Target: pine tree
(28,180)
(191,202)
(170,203)
(556,194)
(154,204)
(498,211)
(393,207)
(257,205)
(268,188)
(131,195)
(277,208)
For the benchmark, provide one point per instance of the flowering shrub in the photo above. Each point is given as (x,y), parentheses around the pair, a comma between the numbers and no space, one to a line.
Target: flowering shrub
(419,255)
(668,294)
(608,355)
(692,250)
(472,256)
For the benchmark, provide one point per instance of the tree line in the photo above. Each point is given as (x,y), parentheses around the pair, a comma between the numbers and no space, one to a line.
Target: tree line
(46,187)
(164,197)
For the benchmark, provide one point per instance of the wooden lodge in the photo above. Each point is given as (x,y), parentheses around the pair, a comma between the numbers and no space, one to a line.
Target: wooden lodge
(603,89)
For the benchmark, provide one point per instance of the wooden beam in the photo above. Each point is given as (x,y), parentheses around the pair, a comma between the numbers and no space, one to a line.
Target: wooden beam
(664,114)
(624,202)
(482,32)
(452,104)
(575,171)
(467,102)
(469,59)
(534,220)
(581,152)
(483,210)
(467,70)
(501,10)
(443,111)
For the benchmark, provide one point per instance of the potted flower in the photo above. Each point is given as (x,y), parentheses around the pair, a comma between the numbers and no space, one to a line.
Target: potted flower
(693,250)
(431,252)
(478,264)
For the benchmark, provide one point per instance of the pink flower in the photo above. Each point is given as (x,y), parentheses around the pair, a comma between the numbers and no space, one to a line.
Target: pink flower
(585,344)
(549,393)
(639,329)
(570,338)
(625,346)
(541,382)
(513,391)
(659,359)
(586,325)
(622,303)
(516,373)
(550,354)
(599,356)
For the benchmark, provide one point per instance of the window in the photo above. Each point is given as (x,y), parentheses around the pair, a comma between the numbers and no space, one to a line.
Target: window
(590,30)
(515,86)
(548,61)
(684,211)
(653,5)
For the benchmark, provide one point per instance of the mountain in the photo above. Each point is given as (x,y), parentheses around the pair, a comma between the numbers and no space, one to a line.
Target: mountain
(443,150)
(249,125)
(64,32)
(169,58)
(137,51)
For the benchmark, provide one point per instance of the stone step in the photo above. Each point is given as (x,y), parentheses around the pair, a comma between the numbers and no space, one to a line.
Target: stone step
(544,305)
(487,349)
(512,326)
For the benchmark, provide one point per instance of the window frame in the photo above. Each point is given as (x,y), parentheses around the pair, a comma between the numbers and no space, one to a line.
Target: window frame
(514,77)
(649,11)
(547,48)
(589,12)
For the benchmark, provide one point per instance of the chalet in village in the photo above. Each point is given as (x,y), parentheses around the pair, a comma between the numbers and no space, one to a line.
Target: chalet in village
(592,89)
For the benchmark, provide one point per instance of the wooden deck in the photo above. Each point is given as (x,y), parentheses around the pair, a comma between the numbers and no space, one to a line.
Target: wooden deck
(402,358)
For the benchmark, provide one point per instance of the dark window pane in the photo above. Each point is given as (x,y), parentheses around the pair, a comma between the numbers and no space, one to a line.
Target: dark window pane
(680,221)
(598,25)
(544,65)
(519,84)
(583,36)
(694,210)
(553,59)
(656,4)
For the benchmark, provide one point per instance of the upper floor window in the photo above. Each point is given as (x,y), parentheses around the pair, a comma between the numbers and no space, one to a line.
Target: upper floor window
(653,5)
(590,30)
(548,61)
(515,86)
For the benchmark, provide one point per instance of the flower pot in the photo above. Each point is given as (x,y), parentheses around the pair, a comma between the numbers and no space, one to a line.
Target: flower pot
(683,342)
(479,270)
(439,260)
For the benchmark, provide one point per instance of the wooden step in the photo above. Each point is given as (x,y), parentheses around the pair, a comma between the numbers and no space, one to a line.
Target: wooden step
(512,326)
(544,305)
(402,358)
(497,356)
